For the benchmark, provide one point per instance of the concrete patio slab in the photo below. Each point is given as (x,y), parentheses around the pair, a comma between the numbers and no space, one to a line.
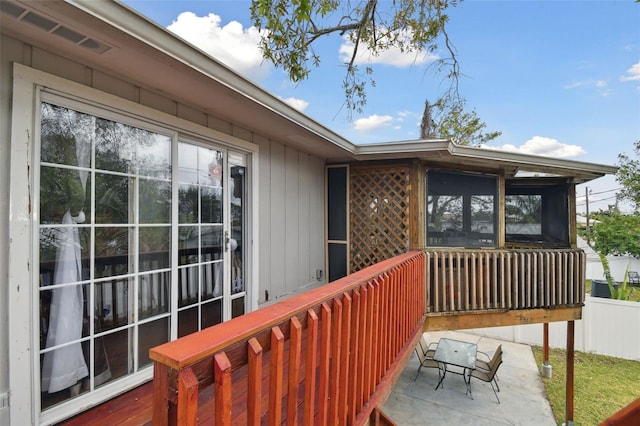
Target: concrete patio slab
(522,396)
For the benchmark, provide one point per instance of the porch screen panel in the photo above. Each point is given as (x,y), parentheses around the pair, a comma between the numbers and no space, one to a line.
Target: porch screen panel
(461,209)
(337,222)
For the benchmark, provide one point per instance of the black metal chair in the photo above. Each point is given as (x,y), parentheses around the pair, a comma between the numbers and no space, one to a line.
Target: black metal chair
(488,375)
(633,278)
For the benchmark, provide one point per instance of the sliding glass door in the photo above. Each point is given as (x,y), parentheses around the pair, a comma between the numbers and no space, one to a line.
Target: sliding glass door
(142,238)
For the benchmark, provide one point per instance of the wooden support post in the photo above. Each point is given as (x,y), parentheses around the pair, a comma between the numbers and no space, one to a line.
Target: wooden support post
(546,367)
(570,370)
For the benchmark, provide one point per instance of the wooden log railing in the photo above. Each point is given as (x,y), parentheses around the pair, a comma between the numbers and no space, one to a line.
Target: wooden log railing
(476,280)
(329,356)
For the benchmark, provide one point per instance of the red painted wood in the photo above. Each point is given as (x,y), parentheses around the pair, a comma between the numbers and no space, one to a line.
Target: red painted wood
(204,344)
(627,416)
(345,334)
(275,376)
(222,369)
(295,350)
(354,358)
(160,394)
(323,365)
(310,368)
(254,379)
(335,367)
(362,347)
(187,397)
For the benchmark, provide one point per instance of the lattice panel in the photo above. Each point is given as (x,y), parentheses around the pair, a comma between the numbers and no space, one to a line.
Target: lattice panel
(378,213)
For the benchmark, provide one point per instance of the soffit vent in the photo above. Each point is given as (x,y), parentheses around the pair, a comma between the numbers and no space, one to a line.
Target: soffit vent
(44,23)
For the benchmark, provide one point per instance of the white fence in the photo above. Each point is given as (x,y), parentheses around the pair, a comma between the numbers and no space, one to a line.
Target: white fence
(608,327)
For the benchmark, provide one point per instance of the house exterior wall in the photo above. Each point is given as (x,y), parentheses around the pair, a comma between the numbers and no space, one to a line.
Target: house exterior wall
(290,187)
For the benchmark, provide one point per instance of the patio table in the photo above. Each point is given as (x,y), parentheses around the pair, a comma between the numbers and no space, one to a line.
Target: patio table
(457,353)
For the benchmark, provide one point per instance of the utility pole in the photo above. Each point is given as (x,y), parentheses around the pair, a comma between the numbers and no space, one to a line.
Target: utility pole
(586,199)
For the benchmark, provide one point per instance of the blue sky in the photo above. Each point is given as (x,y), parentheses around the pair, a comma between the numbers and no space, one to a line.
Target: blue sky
(558,78)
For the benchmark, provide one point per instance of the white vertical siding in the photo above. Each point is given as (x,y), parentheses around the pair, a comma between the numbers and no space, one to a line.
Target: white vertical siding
(608,327)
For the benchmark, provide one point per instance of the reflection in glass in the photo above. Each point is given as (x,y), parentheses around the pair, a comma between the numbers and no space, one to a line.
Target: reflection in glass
(211,243)
(154,245)
(482,213)
(211,205)
(114,149)
(112,251)
(154,154)
(153,294)
(187,286)
(236,246)
(524,214)
(47,317)
(155,201)
(112,304)
(50,239)
(187,163)
(187,321)
(209,167)
(211,313)
(113,198)
(237,307)
(211,280)
(188,206)
(188,245)
(118,348)
(62,190)
(151,334)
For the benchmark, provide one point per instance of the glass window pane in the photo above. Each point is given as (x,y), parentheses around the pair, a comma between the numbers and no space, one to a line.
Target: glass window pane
(59,247)
(211,313)
(154,154)
(114,149)
(188,288)
(112,251)
(187,163)
(187,321)
(155,201)
(151,334)
(209,167)
(61,315)
(188,243)
(65,136)
(211,280)
(62,190)
(154,294)
(210,205)
(112,304)
(114,198)
(237,307)
(188,206)
(117,348)
(155,242)
(211,243)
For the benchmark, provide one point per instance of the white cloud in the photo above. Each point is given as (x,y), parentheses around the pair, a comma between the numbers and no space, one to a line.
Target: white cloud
(372,122)
(296,103)
(632,74)
(601,86)
(231,44)
(392,56)
(539,145)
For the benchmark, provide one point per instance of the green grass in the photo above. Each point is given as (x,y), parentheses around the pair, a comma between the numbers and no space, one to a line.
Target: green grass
(603,384)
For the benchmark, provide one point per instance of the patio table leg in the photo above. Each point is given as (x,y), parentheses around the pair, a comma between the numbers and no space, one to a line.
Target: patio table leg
(444,373)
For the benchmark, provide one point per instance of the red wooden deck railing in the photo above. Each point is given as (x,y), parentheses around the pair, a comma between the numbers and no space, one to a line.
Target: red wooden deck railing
(329,356)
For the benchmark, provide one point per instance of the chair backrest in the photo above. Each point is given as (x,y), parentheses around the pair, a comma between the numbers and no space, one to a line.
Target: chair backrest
(497,355)
(495,365)
(421,349)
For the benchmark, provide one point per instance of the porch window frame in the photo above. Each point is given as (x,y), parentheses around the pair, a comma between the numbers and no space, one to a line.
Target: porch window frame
(28,87)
